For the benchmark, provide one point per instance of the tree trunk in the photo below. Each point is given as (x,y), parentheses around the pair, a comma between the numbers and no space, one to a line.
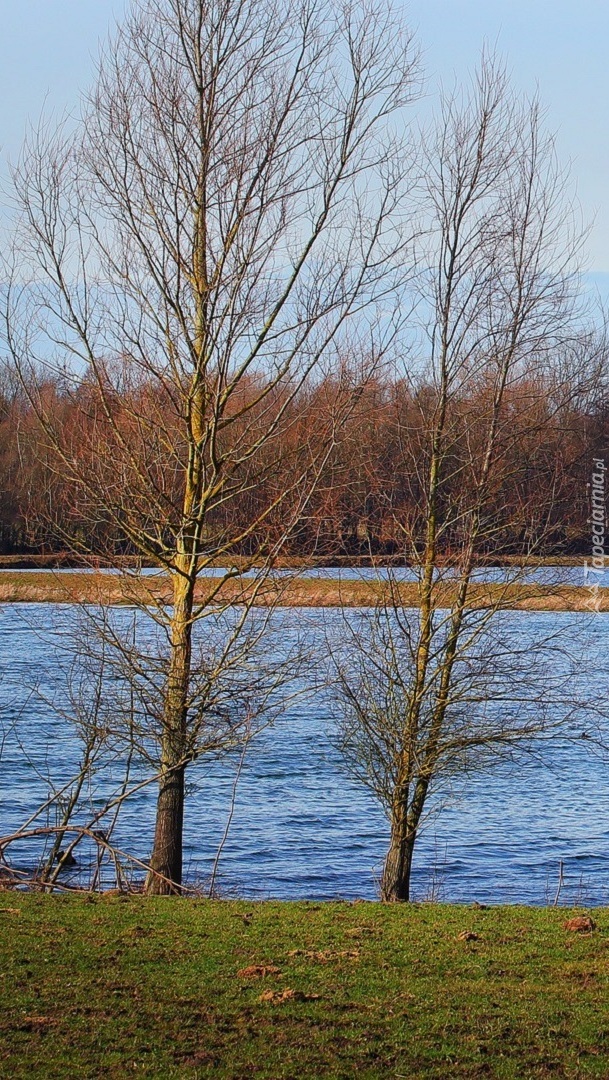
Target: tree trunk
(395,883)
(166,858)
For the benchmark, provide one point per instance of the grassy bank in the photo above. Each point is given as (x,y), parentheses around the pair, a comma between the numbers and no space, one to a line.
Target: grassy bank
(39,587)
(115,987)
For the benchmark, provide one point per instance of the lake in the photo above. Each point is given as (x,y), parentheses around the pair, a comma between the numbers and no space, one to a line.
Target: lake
(301,827)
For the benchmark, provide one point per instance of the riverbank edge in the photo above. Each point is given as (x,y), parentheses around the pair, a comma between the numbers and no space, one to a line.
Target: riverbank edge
(67,560)
(110,985)
(98,588)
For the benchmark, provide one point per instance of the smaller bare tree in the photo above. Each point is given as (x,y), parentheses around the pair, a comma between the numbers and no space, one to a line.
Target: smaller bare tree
(511,690)
(429,691)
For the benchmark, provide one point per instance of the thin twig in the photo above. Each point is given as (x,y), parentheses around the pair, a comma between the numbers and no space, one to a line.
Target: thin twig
(561,880)
(229,818)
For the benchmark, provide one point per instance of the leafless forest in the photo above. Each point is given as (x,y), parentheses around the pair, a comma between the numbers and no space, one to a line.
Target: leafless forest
(369,487)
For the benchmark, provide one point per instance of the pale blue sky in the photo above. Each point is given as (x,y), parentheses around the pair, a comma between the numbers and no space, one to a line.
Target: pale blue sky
(561,46)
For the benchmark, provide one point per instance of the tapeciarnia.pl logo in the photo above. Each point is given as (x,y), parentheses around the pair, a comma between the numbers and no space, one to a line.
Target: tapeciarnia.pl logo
(598,521)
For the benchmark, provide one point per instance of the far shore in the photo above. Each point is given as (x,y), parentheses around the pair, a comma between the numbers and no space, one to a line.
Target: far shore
(32,586)
(68,560)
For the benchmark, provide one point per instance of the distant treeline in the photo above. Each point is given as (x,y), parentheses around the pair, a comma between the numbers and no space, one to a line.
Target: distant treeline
(369,493)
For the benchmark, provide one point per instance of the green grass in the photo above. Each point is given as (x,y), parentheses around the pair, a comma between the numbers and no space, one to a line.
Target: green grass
(113,987)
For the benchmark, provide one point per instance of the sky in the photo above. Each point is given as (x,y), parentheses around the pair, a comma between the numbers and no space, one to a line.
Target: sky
(559,47)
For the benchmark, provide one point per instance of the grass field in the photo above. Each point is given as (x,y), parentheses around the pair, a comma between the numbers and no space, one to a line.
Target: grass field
(162,987)
(39,587)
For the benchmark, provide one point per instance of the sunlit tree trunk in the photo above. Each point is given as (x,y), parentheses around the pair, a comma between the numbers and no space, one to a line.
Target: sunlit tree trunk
(166,858)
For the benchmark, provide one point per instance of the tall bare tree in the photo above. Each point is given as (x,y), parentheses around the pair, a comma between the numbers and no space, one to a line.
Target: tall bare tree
(224,222)
(499,320)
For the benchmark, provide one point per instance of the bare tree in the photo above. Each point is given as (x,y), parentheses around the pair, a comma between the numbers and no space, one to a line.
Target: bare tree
(223,223)
(445,686)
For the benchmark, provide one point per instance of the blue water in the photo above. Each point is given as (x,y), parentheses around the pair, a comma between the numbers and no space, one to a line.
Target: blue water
(302,827)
